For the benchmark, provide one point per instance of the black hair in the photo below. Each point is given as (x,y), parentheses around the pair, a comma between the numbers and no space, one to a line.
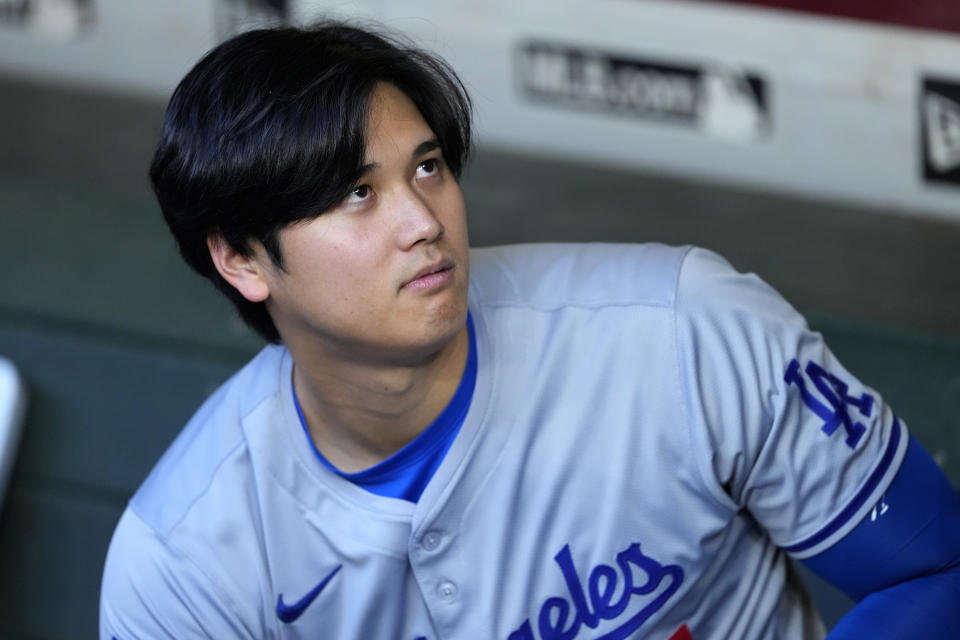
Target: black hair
(269,129)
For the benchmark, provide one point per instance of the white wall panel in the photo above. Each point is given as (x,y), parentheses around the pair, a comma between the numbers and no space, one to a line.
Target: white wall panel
(839,118)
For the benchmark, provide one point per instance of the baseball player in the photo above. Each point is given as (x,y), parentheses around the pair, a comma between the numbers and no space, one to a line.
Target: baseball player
(534,442)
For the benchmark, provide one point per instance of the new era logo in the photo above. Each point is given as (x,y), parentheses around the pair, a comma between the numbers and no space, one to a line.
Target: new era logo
(940,130)
(943,131)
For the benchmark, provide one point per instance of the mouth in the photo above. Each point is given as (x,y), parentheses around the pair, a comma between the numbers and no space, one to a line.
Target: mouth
(431,276)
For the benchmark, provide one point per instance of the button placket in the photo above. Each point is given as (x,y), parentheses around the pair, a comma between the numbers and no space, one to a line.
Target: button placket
(431,540)
(447,590)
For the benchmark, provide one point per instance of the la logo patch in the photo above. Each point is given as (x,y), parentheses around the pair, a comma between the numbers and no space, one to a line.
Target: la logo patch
(835,392)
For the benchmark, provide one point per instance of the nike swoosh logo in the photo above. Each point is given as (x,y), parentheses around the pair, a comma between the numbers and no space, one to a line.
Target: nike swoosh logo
(289,613)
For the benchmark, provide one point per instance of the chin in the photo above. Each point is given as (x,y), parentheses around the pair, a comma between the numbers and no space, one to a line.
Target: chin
(436,332)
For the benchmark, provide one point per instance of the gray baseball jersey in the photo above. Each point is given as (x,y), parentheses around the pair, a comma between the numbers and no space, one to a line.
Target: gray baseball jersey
(651,434)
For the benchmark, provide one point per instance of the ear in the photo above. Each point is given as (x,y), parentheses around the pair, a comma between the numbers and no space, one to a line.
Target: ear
(244,273)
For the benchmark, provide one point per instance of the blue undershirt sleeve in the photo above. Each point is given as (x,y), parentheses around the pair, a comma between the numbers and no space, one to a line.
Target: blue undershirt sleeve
(902,562)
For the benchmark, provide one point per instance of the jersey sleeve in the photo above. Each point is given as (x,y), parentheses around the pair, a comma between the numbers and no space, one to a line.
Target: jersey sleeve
(152,591)
(779,427)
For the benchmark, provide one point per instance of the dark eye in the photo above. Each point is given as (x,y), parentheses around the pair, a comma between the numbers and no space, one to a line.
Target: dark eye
(359,194)
(428,167)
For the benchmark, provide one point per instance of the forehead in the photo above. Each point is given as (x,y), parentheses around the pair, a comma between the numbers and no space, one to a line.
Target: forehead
(392,116)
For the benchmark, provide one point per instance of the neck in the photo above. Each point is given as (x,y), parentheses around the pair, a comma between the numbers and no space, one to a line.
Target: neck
(360,413)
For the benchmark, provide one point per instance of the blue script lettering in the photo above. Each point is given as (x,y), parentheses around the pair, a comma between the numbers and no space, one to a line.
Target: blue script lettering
(610,591)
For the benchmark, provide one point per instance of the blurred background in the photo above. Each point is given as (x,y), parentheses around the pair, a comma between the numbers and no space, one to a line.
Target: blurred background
(816,146)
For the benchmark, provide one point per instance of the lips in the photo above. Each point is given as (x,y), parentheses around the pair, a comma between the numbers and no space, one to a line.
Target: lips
(429,276)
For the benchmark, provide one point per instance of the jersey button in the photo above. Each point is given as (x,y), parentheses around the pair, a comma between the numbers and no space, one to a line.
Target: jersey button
(447,591)
(431,540)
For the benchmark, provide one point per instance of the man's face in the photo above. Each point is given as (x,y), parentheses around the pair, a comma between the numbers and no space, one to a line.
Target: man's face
(384,274)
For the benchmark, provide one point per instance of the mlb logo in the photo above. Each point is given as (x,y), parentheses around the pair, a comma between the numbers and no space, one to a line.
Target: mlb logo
(940,130)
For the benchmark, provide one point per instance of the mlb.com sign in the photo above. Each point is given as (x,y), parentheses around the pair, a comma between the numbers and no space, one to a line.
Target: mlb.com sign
(717,100)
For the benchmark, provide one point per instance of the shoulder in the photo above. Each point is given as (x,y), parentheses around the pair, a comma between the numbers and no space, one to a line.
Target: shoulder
(214,435)
(159,571)
(593,274)
(707,279)
(150,585)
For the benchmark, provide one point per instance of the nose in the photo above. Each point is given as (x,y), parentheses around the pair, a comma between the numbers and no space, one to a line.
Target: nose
(416,220)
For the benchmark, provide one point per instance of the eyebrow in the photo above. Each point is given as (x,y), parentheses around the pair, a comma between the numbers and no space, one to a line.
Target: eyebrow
(424,147)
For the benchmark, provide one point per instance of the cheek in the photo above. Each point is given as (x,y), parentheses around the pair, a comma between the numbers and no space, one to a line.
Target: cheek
(455,214)
(331,252)
(351,270)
